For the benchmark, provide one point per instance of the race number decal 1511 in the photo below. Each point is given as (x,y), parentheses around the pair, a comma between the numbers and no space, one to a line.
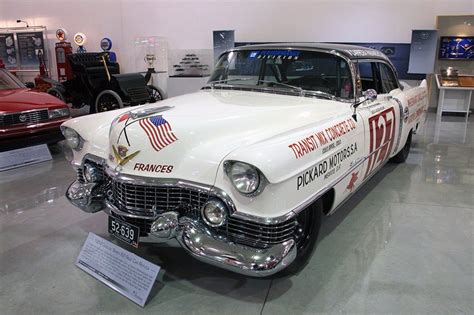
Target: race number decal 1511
(382,135)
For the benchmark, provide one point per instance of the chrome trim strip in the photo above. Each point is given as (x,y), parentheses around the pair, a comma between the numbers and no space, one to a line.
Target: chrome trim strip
(400,125)
(25,111)
(110,207)
(151,181)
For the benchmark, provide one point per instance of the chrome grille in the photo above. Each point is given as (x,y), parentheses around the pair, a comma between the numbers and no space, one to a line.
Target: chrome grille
(148,200)
(258,234)
(30,117)
(80,175)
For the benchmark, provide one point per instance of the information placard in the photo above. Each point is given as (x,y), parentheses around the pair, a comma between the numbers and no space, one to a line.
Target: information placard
(28,46)
(24,156)
(121,270)
(7,49)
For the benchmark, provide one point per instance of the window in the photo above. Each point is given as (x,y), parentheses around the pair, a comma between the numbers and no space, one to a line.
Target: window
(387,78)
(368,78)
(8,81)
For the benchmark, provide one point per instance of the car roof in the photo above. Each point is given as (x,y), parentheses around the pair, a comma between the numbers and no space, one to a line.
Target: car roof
(350,51)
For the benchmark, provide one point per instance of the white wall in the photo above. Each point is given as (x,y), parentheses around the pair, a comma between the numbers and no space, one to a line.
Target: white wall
(189,24)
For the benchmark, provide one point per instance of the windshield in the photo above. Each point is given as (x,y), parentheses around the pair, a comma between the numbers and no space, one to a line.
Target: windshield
(314,73)
(8,81)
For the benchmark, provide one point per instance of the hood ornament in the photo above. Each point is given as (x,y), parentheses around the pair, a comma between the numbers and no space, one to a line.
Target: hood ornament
(121,155)
(148,111)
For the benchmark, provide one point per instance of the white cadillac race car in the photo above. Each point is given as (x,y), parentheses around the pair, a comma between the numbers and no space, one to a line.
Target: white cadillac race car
(241,172)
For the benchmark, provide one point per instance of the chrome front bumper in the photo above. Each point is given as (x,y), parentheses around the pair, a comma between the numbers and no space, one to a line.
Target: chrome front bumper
(196,238)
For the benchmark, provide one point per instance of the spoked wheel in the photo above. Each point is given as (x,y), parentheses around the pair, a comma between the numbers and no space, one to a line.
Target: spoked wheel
(106,101)
(307,227)
(155,94)
(56,93)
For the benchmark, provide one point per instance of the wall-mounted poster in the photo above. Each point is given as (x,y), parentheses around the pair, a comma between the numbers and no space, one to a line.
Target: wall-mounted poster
(7,50)
(28,46)
(423,51)
(454,47)
(223,40)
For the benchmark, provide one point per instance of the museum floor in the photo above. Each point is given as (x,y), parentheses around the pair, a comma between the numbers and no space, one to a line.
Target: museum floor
(403,244)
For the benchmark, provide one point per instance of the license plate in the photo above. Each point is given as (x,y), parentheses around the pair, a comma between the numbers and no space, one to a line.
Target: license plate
(123,231)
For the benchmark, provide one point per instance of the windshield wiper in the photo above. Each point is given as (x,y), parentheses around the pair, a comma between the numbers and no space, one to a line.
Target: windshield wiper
(213,83)
(302,91)
(319,94)
(297,88)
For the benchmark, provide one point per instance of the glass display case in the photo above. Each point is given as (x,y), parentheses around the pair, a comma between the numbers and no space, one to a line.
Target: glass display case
(151,59)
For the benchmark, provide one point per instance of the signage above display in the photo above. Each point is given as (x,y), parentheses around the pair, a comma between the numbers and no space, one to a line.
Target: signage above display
(61,34)
(106,44)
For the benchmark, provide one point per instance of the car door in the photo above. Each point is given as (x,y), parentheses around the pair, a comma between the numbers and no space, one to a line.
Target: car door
(381,117)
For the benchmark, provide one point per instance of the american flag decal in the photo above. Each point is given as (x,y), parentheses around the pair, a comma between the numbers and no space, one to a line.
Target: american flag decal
(158,131)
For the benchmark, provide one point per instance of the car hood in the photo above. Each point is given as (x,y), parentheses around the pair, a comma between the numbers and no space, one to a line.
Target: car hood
(16,100)
(189,136)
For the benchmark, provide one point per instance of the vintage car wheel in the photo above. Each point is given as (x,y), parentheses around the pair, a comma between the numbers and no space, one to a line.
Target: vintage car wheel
(306,236)
(155,94)
(106,101)
(402,156)
(56,93)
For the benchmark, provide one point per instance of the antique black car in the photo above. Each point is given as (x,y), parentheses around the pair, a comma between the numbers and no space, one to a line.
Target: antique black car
(97,82)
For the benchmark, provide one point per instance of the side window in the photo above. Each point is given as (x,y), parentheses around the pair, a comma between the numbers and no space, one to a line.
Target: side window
(387,77)
(368,77)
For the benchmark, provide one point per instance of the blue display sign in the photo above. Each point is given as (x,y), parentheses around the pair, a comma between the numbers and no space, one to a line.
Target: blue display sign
(272,54)
(456,48)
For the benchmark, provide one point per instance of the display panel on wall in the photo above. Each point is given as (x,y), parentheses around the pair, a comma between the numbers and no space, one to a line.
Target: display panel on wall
(399,55)
(190,63)
(8,50)
(456,47)
(29,44)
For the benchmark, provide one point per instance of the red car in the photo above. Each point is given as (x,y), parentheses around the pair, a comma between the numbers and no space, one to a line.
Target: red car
(27,117)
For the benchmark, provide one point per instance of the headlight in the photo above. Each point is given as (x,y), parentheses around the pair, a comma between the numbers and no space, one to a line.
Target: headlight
(92,173)
(73,139)
(244,177)
(59,112)
(214,213)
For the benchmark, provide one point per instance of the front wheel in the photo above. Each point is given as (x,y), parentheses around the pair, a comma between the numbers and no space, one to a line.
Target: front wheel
(402,156)
(106,101)
(56,93)
(306,235)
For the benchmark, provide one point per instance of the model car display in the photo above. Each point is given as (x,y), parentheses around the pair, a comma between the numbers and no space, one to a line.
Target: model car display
(242,172)
(27,117)
(97,82)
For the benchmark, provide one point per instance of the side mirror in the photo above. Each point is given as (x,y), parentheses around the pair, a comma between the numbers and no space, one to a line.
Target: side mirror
(30,85)
(370,95)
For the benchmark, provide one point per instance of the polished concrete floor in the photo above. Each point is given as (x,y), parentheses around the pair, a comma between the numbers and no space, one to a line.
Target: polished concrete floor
(403,244)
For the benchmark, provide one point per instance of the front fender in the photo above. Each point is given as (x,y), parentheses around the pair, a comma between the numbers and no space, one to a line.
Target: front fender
(295,176)
(94,129)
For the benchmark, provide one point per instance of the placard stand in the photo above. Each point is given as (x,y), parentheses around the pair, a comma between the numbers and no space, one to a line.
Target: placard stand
(24,156)
(119,269)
